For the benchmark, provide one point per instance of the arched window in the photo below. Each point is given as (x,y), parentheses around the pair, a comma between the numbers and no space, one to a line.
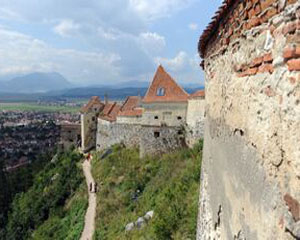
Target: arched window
(160,92)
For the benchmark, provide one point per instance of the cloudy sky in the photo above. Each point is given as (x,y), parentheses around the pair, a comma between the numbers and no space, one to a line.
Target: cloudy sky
(103,41)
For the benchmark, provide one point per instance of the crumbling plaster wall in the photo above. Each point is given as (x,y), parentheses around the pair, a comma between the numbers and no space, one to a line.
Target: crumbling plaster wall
(88,131)
(160,140)
(169,114)
(110,133)
(250,182)
(70,135)
(195,120)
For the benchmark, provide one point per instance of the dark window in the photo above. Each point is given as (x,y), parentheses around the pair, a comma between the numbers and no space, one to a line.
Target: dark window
(160,92)
(179,117)
(156,117)
(180,132)
(156,134)
(93,119)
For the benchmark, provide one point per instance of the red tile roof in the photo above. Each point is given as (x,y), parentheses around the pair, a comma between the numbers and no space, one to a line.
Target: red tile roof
(212,28)
(172,91)
(130,107)
(131,113)
(93,101)
(110,112)
(107,108)
(200,93)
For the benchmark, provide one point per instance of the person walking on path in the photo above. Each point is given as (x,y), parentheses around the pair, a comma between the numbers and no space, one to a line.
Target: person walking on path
(89,222)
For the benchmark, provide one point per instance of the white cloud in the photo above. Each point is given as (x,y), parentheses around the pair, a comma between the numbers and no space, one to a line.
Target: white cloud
(66,28)
(183,68)
(155,9)
(152,43)
(102,28)
(176,64)
(193,26)
(30,54)
(6,13)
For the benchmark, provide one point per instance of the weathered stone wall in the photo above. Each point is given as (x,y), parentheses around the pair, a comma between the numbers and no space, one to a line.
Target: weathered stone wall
(169,114)
(129,119)
(109,134)
(159,140)
(88,131)
(70,135)
(150,139)
(195,121)
(251,168)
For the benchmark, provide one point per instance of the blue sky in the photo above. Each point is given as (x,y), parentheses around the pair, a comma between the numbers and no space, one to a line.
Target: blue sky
(103,41)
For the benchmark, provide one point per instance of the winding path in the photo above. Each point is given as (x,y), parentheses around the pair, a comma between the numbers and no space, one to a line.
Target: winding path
(89,225)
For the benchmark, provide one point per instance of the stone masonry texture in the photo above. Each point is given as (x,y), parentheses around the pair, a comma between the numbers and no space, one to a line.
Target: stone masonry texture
(250,179)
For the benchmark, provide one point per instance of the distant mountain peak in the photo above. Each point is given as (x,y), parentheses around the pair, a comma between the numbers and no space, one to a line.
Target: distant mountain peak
(36,82)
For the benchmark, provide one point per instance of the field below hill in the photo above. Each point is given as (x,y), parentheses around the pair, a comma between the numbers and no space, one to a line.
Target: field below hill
(129,187)
(19,106)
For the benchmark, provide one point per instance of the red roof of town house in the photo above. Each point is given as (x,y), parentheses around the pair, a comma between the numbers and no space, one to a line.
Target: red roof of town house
(164,89)
(212,28)
(198,94)
(93,101)
(110,112)
(130,107)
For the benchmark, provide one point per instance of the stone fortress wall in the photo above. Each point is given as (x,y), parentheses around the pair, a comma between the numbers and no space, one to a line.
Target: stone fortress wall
(251,168)
(157,123)
(88,128)
(149,139)
(110,133)
(195,121)
(172,114)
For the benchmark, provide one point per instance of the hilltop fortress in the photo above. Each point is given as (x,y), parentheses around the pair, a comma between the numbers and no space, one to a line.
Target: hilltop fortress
(166,118)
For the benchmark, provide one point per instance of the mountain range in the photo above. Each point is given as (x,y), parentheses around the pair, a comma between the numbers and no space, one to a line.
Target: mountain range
(53,86)
(35,83)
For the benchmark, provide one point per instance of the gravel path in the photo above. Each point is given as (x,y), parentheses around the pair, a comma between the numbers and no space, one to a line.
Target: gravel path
(89,225)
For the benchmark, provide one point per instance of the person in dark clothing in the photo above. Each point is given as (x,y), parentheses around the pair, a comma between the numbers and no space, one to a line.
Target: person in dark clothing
(91,187)
(96,187)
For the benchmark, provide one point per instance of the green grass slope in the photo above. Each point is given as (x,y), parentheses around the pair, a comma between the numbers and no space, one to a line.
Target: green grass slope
(54,207)
(130,187)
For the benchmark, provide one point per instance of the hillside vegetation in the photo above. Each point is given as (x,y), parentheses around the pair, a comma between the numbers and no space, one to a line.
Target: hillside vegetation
(130,187)
(54,207)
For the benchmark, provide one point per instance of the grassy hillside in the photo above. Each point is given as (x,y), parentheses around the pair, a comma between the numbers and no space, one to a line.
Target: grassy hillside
(54,207)
(130,187)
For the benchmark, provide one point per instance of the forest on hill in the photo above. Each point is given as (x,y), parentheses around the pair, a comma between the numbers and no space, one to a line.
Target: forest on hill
(54,205)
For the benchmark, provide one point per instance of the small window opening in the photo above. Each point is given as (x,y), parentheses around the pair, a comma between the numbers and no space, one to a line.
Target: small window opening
(179,117)
(156,117)
(93,119)
(160,92)
(156,134)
